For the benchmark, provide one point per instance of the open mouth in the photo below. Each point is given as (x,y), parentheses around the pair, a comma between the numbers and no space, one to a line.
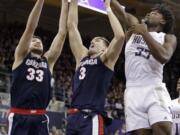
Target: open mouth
(37,45)
(37,51)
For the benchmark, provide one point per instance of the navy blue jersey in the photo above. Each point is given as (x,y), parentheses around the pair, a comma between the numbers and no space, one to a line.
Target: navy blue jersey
(91,82)
(31,87)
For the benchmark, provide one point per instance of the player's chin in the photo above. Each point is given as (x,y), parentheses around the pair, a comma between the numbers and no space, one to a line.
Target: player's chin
(91,52)
(37,51)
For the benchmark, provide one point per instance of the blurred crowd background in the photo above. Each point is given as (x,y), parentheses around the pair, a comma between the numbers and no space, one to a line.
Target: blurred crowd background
(63,73)
(10,33)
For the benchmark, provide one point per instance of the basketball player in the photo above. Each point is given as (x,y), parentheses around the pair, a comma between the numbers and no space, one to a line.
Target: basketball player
(176,112)
(148,48)
(31,76)
(94,70)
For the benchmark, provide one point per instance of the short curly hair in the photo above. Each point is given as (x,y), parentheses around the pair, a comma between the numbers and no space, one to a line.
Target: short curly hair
(167,15)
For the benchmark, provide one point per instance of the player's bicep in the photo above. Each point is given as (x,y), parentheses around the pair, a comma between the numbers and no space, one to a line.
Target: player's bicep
(170,45)
(77,47)
(112,53)
(114,49)
(55,49)
(131,20)
(22,48)
(125,18)
(18,59)
(23,45)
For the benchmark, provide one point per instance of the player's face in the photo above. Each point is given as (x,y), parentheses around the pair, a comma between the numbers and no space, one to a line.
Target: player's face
(36,46)
(154,18)
(97,46)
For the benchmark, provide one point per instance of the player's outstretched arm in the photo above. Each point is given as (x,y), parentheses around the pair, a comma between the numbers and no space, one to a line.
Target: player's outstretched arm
(76,44)
(110,56)
(56,47)
(24,43)
(126,18)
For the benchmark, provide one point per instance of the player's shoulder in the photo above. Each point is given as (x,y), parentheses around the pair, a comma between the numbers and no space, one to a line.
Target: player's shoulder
(175,100)
(170,36)
(171,40)
(175,105)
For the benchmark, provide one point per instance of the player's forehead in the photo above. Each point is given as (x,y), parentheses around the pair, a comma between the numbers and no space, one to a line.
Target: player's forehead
(96,39)
(157,12)
(154,11)
(36,39)
(102,40)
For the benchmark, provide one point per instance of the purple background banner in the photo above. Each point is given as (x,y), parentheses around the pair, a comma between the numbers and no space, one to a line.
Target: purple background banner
(96,5)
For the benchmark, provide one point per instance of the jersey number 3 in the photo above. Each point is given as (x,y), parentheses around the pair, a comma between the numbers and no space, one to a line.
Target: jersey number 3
(35,74)
(82,73)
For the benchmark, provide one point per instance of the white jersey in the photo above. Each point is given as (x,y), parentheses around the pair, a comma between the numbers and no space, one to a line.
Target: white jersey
(176,117)
(141,68)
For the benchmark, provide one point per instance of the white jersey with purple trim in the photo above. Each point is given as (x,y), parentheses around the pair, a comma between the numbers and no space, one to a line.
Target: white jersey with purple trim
(141,68)
(176,117)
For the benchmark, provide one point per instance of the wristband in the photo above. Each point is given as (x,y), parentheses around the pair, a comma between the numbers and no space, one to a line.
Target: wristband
(108,9)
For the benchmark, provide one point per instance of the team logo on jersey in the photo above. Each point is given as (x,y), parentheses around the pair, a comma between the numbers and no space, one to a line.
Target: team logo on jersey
(89,62)
(35,64)
(138,39)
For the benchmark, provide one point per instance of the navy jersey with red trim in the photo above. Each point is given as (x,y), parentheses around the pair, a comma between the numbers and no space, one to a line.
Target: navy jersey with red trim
(31,87)
(90,85)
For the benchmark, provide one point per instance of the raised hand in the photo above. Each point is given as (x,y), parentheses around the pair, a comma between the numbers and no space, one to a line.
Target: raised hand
(138,28)
(107,3)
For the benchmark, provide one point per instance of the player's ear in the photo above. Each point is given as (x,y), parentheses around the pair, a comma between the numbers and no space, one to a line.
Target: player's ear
(104,50)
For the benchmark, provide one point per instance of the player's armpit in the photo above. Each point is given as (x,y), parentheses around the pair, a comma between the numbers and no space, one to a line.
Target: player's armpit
(111,55)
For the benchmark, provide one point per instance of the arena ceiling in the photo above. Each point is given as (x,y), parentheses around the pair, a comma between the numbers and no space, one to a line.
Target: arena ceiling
(18,10)
(140,6)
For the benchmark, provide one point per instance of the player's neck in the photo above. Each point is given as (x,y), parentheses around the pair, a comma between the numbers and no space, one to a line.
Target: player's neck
(179,100)
(94,55)
(35,55)
(154,29)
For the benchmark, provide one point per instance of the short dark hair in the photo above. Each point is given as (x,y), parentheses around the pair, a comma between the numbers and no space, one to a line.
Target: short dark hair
(106,41)
(167,15)
(34,36)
